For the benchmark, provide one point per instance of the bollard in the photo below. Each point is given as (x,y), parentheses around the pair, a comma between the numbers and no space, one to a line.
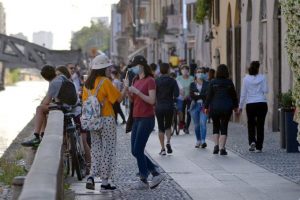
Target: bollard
(17,186)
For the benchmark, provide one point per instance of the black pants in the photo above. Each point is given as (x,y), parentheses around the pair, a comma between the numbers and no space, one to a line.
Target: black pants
(117,109)
(185,110)
(220,122)
(256,114)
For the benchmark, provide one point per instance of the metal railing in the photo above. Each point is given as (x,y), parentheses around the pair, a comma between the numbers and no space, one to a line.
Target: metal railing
(45,178)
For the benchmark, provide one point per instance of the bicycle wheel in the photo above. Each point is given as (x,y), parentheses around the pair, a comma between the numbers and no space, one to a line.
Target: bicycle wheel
(75,157)
(66,157)
(66,164)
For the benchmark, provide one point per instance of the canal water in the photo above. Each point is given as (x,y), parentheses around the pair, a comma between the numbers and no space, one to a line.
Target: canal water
(17,108)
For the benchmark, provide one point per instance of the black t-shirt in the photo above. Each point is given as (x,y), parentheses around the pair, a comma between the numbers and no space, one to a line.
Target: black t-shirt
(166,92)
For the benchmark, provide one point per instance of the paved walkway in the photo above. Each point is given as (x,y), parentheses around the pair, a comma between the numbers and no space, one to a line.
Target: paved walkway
(198,174)
(125,176)
(210,177)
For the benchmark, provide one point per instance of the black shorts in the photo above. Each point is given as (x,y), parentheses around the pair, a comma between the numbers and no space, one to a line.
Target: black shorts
(164,119)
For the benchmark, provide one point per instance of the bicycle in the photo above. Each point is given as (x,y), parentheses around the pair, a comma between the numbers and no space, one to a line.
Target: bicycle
(74,159)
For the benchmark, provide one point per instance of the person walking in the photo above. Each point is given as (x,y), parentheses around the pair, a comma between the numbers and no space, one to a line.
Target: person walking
(103,142)
(166,94)
(198,91)
(221,100)
(185,81)
(253,94)
(115,76)
(143,92)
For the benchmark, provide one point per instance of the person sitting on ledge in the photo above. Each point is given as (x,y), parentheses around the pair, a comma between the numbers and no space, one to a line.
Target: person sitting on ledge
(55,92)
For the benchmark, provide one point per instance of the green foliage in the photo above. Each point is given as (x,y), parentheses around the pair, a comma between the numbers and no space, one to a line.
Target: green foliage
(9,170)
(12,76)
(290,10)
(286,100)
(96,36)
(203,10)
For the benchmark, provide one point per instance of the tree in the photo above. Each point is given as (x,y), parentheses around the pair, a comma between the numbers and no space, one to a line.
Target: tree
(203,10)
(96,36)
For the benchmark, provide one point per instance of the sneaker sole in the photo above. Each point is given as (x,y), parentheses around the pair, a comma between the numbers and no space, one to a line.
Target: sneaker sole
(154,186)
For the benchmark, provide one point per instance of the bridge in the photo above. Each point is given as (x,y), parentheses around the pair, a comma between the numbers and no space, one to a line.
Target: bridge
(15,52)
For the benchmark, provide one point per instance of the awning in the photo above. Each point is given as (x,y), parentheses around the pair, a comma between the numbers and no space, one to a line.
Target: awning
(137,52)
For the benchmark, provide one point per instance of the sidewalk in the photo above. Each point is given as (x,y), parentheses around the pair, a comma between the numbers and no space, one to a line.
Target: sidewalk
(211,177)
(198,174)
(126,170)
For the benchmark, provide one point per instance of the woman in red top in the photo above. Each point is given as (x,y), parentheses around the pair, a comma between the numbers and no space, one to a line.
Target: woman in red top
(143,94)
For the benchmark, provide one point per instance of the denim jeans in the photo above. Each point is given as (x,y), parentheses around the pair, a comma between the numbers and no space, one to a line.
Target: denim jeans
(141,130)
(199,119)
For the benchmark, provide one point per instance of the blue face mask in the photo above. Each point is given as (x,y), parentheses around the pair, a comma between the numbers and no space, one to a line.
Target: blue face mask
(201,76)
(135,69)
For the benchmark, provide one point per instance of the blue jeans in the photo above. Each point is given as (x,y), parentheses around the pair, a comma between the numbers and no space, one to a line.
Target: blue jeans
(200,119)
(141,130)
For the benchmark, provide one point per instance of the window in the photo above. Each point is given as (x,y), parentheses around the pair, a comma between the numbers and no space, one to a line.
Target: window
(263,10)
(217,12)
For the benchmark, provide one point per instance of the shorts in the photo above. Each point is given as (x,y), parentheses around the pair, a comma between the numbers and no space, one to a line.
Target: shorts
(164,119)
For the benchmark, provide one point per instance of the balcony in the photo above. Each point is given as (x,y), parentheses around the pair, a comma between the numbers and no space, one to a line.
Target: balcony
(174,23)
(149,30)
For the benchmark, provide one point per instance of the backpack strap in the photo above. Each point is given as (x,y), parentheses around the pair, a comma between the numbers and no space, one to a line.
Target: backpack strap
(97,88)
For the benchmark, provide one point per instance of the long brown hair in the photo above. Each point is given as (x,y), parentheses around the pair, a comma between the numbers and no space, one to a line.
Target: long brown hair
(90,81)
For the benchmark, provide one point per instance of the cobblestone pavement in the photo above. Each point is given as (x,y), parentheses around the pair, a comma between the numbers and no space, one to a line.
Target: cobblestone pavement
(126,175)
(273,157)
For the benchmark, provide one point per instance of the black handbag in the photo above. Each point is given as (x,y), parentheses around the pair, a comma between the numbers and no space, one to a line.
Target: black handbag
(129,122)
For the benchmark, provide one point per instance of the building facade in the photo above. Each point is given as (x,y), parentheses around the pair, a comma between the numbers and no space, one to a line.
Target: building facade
(2,19)
(43,38)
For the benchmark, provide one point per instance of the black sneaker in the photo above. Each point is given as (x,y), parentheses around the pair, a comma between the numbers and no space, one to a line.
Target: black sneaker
(169,148)
(108,187)
(204,145)
(186,131)
(90,183)
(223,152)
(216,149)
(34,142)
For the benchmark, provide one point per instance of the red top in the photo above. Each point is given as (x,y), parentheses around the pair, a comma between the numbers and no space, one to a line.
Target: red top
(140,107)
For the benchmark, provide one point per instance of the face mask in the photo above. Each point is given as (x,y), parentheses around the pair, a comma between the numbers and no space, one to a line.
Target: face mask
(206,76)
(135,69)
(201,76)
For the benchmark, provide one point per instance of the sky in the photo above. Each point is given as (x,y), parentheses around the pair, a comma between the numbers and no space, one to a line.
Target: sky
(60,17)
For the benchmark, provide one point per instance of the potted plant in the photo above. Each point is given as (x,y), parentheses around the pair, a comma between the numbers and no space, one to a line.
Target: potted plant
(288,128)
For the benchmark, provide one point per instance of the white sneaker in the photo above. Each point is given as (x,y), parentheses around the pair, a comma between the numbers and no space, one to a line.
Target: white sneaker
(258,151)
(163,152)
(252,147)
(140,185)
(156,180)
